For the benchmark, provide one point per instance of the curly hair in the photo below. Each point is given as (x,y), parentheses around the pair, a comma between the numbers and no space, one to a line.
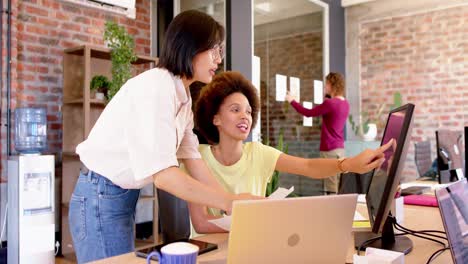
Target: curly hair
(212,96)
(337,83)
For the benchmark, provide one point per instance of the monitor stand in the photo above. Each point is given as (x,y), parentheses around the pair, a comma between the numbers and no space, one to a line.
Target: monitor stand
(388,241)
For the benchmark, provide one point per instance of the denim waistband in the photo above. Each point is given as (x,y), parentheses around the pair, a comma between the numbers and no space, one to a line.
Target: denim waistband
(94,177)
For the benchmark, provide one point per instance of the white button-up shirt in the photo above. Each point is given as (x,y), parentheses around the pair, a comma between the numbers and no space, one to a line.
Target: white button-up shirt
(144,129)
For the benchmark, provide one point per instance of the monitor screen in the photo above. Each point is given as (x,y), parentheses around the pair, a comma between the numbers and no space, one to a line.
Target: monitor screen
(386,178)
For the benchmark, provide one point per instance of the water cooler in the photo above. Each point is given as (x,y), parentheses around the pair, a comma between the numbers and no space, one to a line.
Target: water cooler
(31,223)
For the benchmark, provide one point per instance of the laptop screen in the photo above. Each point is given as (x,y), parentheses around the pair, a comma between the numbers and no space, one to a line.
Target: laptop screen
(453,208)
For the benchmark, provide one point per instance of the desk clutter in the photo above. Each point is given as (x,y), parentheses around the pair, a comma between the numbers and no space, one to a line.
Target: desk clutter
(379,256)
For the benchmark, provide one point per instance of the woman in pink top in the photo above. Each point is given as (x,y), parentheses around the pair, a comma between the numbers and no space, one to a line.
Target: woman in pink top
(334,112)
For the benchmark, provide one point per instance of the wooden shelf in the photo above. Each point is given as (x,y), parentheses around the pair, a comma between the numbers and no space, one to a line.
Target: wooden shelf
(93,102)
(79,114)
(104,53)
(69,154)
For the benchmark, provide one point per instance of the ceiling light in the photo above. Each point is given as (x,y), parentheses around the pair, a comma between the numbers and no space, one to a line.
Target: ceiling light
(264,7)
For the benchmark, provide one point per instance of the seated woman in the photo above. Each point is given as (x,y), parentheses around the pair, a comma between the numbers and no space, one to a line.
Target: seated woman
(225,113)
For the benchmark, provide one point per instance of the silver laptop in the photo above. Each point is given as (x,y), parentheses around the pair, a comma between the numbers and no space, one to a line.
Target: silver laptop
(294,230)
(453,207)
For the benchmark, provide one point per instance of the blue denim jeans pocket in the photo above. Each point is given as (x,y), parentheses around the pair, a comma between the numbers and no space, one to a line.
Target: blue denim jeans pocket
(101,217)
(77,216)
(117,216)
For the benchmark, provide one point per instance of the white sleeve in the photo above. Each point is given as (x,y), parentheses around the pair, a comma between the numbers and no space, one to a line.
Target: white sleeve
(151,131)
(188,148)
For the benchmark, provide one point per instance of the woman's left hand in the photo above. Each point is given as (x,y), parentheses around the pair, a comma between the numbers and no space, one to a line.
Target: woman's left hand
(289,97)
(367,160)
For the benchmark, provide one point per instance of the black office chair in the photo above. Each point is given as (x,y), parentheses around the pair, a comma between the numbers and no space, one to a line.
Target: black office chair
(422,157)
(354,182)
(174,217)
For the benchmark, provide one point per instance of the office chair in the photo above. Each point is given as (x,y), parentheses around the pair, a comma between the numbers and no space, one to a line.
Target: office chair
(422,157)
(174,217)
(354,182)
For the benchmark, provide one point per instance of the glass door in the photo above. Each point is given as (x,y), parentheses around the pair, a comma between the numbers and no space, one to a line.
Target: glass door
(289,55)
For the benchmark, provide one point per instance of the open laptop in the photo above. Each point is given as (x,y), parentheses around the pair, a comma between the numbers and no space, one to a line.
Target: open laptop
(453,206)
(294,230)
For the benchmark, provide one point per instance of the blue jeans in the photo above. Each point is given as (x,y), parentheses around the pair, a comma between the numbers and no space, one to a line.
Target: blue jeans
(102,218)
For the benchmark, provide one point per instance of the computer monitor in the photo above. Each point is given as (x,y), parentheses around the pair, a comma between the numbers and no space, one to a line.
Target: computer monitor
(449,155)
(385,181)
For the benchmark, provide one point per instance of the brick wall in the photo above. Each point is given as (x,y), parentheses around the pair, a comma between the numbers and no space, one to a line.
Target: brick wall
(423,56)
(41,29)
(299,56)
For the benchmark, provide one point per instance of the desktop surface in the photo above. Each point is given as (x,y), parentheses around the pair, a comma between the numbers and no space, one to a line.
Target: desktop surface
(416,217)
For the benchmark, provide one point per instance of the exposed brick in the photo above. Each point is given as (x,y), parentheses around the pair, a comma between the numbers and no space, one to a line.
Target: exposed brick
(426,65)
(47,22)
(72,8)
(82,20)
(36,11)
(41,30)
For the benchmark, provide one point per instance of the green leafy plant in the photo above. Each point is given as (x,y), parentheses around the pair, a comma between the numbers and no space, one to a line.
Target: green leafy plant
(122,55)
(100,83)
(283,147)
(361,126)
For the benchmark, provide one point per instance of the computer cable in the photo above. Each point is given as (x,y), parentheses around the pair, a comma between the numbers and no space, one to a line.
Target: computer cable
(425,232)
(436,254)
(360,248)
(420,235)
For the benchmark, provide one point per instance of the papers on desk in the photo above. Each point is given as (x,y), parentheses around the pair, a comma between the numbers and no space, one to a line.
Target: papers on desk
(225,221)
(379,256)
(281,193)
(359,217)
(361,198)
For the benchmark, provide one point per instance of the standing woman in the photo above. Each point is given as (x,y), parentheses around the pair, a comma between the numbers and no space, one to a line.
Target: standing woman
(334,112)
(139,139)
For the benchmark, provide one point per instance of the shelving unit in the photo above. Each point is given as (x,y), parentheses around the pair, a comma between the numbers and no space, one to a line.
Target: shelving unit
(79,113)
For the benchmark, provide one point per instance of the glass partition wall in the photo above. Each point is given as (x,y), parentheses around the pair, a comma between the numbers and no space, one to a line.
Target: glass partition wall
(289,56)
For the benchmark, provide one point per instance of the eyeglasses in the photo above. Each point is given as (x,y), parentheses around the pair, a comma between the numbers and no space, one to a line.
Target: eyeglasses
(217,52)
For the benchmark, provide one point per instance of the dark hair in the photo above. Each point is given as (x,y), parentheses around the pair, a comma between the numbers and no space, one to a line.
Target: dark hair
(213,95)
(189,33)
(337,83)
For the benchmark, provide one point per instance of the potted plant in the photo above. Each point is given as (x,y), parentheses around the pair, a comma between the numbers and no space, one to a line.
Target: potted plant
(122,55)
(283,147)
(367,126)
(100,85)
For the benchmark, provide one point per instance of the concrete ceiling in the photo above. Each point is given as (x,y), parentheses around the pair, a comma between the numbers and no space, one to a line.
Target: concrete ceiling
(265,11)
(282,9)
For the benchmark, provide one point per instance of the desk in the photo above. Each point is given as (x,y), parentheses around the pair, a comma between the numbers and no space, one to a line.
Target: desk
(416,217)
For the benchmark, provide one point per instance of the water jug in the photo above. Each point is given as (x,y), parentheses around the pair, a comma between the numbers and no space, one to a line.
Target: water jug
(30,130)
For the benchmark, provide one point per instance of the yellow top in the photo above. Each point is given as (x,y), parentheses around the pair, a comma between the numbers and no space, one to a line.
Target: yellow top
(250,174)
